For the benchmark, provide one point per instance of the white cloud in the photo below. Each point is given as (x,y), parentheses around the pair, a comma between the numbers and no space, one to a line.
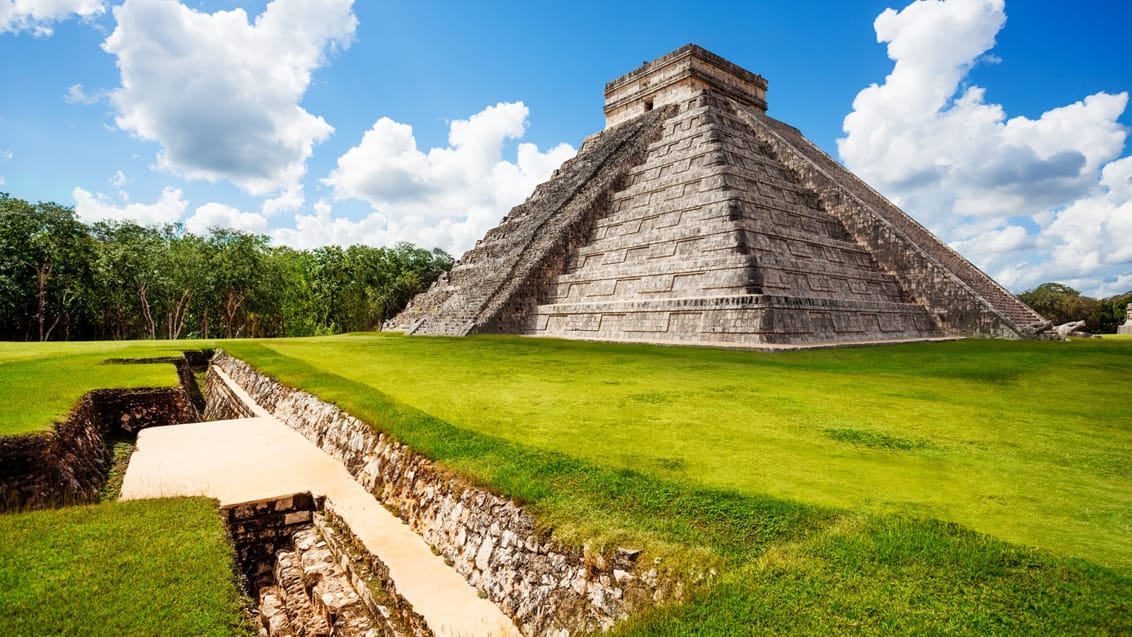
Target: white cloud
(448,197)
(1021,197)
(221,95)
(290,200)
(37,16)
(118,179)
(216,215)
(1095,232)
(98,207)
(76,94)
(323,228)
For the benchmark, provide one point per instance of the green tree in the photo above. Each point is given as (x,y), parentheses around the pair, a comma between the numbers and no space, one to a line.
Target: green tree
(239,282)
(1113,312)
(1060,303)
(45,270)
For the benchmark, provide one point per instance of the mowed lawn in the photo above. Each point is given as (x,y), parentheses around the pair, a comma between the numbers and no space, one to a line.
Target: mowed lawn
(1026,442)
(41,382)
(140,568)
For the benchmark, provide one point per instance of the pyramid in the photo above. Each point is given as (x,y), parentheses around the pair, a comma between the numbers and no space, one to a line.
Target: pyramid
(696,218)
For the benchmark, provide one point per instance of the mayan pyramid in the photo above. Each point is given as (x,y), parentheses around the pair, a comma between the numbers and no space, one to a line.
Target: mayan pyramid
(696,218)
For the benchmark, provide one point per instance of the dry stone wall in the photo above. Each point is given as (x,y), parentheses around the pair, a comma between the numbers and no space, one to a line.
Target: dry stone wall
(304,576)
(546,588)
(68,464)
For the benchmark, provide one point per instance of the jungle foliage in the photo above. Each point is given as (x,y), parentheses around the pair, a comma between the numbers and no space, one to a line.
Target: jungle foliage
(62,279)
(1061,304)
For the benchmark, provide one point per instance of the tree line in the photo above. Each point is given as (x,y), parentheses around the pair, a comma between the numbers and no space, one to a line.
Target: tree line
(1061,304)
(62,279)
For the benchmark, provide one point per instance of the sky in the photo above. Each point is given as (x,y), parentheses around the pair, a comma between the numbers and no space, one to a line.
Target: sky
(1001,127)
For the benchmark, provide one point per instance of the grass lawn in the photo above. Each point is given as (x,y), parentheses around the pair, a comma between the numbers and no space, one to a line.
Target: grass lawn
(930,487)
(966,487)
(41,382)
(145,568)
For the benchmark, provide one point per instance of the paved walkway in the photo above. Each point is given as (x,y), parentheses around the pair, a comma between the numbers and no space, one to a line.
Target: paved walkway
(256,458)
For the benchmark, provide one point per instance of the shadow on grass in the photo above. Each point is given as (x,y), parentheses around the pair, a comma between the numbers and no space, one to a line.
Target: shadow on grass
(787,568)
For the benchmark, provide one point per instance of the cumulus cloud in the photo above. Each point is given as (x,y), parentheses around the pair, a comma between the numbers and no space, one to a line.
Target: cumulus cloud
(1005,191)
(290,200)
(37,16)
(446,197)
(324,228)
(215,215)
(98,207)
(221,94)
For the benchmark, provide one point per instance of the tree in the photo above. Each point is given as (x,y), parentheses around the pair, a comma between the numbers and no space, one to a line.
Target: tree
(238,269)
(1060,303)
(1113,312)
(45,269)
(120,280)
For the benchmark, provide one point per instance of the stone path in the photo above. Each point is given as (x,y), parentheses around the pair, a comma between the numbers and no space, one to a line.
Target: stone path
(257,458)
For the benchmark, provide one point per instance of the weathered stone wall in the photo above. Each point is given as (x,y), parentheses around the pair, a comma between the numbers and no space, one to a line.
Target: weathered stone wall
(65,466)
(131,410)
(676,77)
(222,402)
(546,588)
(261,527)
(68,464)
(369,575)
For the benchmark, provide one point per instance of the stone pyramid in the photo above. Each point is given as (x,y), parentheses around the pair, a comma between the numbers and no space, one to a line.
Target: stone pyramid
(696,218)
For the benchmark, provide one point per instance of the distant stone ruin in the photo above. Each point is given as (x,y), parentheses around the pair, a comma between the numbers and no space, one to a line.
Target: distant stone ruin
(1127,327)
(696,218)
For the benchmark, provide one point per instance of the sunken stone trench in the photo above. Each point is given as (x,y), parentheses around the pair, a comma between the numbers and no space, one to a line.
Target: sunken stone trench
(545,588)
(307,577)
(69,464)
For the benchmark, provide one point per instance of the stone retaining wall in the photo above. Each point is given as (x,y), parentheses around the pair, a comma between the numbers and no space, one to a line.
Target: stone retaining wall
(68,464)
(260,527)
(546,588)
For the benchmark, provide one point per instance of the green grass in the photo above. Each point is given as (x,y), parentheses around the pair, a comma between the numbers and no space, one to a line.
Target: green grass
(886,490)
(969,487)
(887,575)
(1028,442)
(41,382)
(145,568)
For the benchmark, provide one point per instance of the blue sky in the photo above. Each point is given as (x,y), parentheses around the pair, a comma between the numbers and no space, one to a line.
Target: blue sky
(1002,128)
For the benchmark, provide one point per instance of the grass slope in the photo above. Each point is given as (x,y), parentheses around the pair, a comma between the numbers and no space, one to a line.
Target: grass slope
(41,382)
(1029,442)
(811,481)
(145,568)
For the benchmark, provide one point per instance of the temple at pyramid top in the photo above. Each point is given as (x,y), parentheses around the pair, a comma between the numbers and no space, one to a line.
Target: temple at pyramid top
(677,76)
(693,217)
